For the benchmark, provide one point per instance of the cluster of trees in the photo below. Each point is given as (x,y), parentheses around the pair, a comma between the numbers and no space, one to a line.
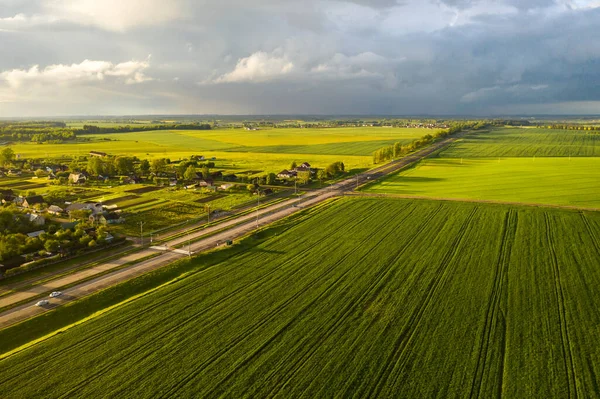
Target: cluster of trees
(123,166)
(64,241)
(92,129)
(40,132)
(13,221)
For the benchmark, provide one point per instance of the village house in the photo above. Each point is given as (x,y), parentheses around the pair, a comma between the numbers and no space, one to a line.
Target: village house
(226,186)
(77,178)
(36,234)
(95,208)
(36,220)
(287,174)
(55,210)
(29,202)
(98,154)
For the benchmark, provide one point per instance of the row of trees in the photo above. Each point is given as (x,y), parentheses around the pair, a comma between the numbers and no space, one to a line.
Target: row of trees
(40,132)
(398,149)
(92,129)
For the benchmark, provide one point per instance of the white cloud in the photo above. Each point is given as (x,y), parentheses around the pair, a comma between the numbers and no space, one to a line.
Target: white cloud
(112,15)
(258,67)
(262,67)
(87,71)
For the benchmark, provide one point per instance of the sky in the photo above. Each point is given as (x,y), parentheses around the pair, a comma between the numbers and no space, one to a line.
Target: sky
(267,57)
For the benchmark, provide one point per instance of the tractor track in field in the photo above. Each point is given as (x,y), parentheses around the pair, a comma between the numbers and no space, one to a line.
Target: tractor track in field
(591,232)
(396,355)
(494,307)
(562,314)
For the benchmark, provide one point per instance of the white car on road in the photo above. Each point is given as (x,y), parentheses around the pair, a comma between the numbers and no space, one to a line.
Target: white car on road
(55,294)
(43,302)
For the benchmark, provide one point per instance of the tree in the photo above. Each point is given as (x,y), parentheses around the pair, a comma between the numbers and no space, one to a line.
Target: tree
(206,172)
(293,165)
(7,155)
(321,175)
(95,166)
(51,245)
(124,165)
(158,165)
(271,179)
(251,187)
(39,173)
(80,214)
(190,173)
(74,166)
(304,177)
(144,167)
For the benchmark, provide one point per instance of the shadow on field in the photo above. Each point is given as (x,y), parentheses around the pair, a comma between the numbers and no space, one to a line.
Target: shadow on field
(418,179)
(266,251)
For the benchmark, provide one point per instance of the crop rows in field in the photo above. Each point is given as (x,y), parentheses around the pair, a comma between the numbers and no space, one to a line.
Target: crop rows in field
(514,142)
(366,298)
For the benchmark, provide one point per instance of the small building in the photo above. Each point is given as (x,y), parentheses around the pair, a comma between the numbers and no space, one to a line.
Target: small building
(55,210)
(206,183)
(77,178)
(95,208)
(111,218)
(287,174)
(36,234)
(305,165)
(29,202)
(98,154)
(226,186)
(36,220)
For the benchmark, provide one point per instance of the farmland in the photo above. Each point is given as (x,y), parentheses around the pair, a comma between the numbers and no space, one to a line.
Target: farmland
(268,150)
(551,181)
(540,166)
(526,142)
(354,301)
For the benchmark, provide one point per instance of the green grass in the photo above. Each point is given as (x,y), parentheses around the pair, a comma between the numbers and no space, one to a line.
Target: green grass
(526,142)
(551,181)
(354,302)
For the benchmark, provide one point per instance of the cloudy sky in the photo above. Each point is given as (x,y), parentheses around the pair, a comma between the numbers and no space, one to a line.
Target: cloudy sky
(119,57)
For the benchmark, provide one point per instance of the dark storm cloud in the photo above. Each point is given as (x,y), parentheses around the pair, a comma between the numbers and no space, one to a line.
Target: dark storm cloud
(318,56)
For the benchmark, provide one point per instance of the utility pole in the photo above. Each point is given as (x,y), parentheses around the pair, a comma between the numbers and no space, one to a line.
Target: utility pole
(295,186)
(142,233)
(357,182)
(257,206)
(208,213)
(189,244)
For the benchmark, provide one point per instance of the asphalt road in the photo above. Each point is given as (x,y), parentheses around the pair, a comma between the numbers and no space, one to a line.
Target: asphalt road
(232,229)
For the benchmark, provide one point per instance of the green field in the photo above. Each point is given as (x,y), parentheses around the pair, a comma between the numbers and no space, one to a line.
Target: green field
(552,181)
(526,142)
(366,298)
(267,150)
